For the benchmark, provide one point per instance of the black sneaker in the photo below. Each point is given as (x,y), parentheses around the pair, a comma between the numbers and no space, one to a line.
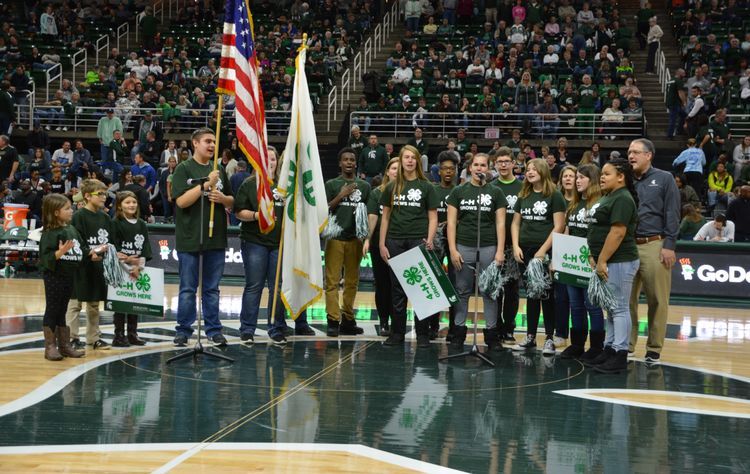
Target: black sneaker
(101,345)
(433,334)
(652,357)
(180,340)
(304,331)
(333,328)
(247,338)
(385,330)
(278,339)
(218,340)
(509,339)
(394,340)
(423,340)
(288,331)
(349,328)
(78,344)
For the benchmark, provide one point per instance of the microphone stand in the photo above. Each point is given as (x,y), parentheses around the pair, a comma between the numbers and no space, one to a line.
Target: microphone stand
(474,351)
(198,347)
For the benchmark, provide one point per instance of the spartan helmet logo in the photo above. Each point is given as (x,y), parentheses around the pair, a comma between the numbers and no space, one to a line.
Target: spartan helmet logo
(355,196)
(139,239)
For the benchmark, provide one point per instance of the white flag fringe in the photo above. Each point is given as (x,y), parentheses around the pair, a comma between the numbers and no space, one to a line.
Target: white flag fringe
(306,209)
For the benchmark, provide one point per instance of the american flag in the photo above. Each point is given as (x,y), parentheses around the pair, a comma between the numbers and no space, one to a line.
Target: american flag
(238,76)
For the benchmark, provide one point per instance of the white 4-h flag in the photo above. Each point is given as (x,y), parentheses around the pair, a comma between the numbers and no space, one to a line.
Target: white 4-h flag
(306,209)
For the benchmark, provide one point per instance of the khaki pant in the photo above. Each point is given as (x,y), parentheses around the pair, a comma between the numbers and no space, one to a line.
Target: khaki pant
(73,319)
(340,254)
(656,281)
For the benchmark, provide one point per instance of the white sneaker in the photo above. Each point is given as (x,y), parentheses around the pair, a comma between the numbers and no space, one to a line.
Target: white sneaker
(529,342)
(560,341)
(549,348)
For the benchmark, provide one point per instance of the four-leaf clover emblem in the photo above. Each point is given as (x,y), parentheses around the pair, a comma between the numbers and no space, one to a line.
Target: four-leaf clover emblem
(143,283)
(584,256)
(540,207)
(414,195)
(412,275)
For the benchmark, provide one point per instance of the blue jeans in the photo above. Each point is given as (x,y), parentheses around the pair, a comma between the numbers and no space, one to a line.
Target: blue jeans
(676,120)
(621,276)
(579,305)
(260,270)
(103,152)
(412,24)
(213,268)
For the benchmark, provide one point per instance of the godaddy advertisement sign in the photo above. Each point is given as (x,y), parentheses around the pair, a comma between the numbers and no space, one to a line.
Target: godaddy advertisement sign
(570,260)
(424,281)
(142,295)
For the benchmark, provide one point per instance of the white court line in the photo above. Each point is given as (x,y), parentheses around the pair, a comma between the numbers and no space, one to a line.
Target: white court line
(358,449)
(592,394)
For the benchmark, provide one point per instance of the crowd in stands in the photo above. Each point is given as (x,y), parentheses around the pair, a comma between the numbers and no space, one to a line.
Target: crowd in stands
(531,57)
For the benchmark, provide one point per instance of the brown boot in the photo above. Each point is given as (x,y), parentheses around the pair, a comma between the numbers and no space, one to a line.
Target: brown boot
(133,331)
(50,345)
(63,343)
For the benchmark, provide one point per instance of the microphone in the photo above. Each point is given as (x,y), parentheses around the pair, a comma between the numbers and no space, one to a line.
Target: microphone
(194,181)
(481,177)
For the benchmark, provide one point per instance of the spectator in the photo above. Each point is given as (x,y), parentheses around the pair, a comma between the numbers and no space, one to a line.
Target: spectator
(422,146)
(412,13)
(165,188)
(8,160)
(403,74)
(169,152)
(372,160)
(40,163)
(83,164)
(137,187)
(547,120)
(7,108)
(687,192)
(240,175)
(141,167)
(363,120)
(228,163)
(718,230)
(692,222)
(741,156)
(63,157)
(526,99)
(720,184)
(151,149)
(47,23)
(612,119)
(356,141)
(694,161)
(739,213)
(105,132)
(26,195)
(697,112)
(676,101)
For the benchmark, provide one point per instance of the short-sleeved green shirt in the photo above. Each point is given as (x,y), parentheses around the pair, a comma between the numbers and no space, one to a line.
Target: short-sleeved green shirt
(408,218)
(537,220)
(345,212)
(95,229)
(617,207)
(376,209)
(510,190)
(442,209)
(49,244)
(578,220)
(188,224)
(468,199)
(247,199)
(131,238)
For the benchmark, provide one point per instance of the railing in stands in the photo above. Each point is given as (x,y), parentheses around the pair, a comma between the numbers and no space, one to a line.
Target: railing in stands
(53,74)
(739,125)
(377,37)
(86,119)
(24,110)
(102,44)
(495,126)
(159,10)
(173,6)
(332,97)
(662,71)
(79,57)
(345,87)
(357,69)
(123,31)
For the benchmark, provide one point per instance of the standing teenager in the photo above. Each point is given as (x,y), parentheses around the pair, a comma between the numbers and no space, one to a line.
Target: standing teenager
(344,251)
(447,168)
(409,220)
(260,253)
(190,223)
(588,193)
(567,186)
(614,257)
(507,304)
(472,199)
(539,211)
(381,276)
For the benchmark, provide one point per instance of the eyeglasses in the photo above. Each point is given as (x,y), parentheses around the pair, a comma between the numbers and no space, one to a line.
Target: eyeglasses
(97,193)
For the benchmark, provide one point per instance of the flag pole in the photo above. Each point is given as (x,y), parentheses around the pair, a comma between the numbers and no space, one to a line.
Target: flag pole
(219,108)
(272,316)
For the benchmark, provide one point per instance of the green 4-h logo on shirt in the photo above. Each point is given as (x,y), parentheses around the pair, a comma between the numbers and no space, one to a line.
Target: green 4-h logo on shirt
(412,275)
(143,283)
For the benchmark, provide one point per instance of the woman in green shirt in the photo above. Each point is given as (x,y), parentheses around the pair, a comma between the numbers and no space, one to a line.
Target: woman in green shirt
(588,192)
(614,257)
(691,223)
(381,277)
(567,186)
(539,211)
(476,196)
(409,220)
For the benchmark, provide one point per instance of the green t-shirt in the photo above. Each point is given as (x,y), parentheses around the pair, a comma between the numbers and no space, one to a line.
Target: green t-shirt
(467,199)
(131,238)
(537,219)
(689,228)
(617,207)
(95,229)
(408,218)
(49,244)
(372,161)
(345,212)
(376,209)
(442,209)
(510,190)
(578,220)
(247,199)
(188,224)
(587,96)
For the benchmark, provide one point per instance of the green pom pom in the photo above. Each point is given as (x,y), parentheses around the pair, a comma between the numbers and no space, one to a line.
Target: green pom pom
(538,281)
(600,293)
(491,281)
(332,230)
(114,273)
(360,217)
